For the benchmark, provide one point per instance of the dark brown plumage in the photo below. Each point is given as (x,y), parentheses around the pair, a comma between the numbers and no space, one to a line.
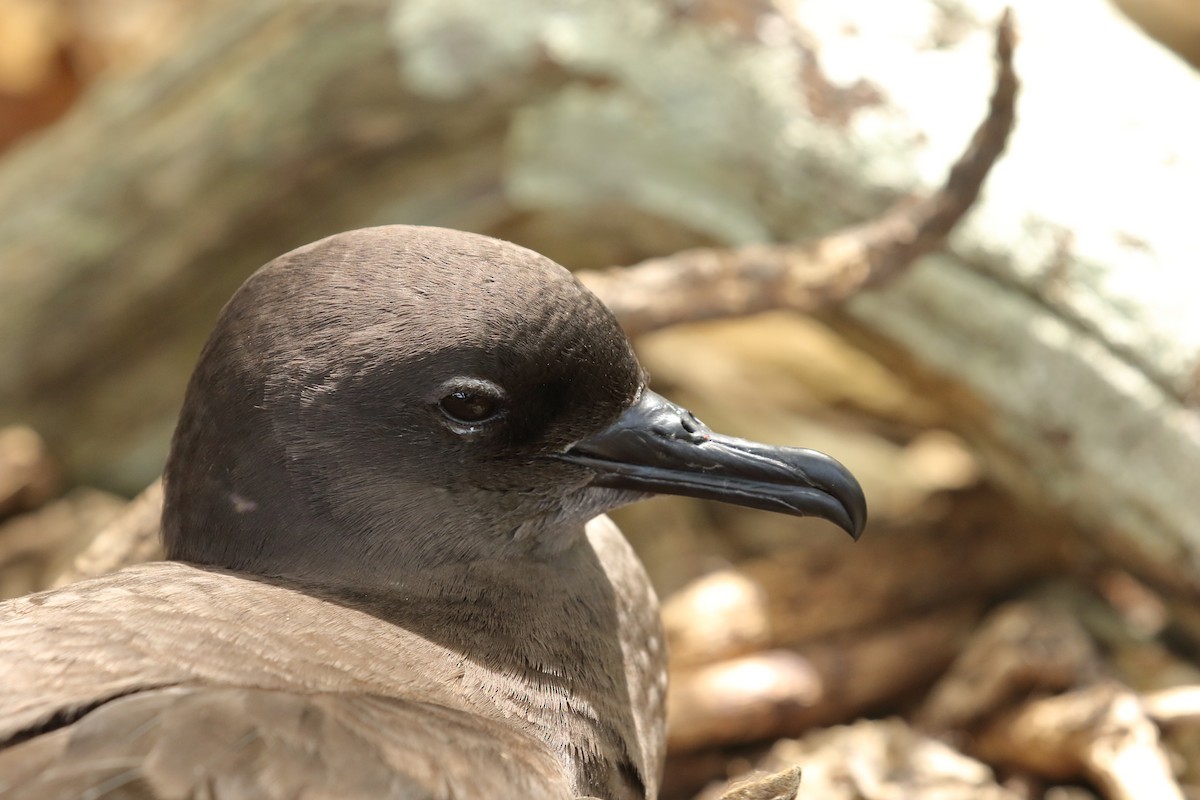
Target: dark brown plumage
(381,483)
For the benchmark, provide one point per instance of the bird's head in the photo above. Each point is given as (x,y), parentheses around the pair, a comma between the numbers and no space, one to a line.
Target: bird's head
(406,396)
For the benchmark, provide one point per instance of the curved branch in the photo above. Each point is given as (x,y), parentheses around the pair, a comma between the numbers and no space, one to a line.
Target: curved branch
(708,283)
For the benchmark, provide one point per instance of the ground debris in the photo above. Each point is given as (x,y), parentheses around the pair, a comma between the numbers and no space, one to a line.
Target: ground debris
(878,760)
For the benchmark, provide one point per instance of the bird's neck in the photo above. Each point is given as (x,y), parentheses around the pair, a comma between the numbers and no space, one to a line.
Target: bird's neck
(570,646)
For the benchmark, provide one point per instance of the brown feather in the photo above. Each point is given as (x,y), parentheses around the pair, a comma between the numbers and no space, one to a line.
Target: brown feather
(208,681)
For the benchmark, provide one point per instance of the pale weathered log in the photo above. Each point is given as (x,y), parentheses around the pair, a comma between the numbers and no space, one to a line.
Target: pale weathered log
(1062,314)
(702,284)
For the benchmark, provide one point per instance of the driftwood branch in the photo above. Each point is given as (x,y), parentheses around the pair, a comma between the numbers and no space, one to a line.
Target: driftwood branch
(784,785)
(983,547)
(821,633)
(1177,706)
(716,282)
(879,759)
(1101,733)
(132,537)
(766,696)
(1023,648)
(38,546)
(28,475)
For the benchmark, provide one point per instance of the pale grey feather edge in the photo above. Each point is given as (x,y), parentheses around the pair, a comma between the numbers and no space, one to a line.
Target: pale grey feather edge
(81,689)
(189,742)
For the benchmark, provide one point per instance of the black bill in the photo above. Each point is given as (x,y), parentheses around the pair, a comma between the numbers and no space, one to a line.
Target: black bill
(657,446)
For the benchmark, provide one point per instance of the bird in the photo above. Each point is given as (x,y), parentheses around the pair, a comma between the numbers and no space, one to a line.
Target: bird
(389,570)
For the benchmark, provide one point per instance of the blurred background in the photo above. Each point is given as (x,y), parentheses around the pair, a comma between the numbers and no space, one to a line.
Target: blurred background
(1021,618)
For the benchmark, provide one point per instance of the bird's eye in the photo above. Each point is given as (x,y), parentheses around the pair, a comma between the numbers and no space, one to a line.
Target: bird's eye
(468,406)
(472,403)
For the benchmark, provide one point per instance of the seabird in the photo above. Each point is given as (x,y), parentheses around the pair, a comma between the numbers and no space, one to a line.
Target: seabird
(389,571)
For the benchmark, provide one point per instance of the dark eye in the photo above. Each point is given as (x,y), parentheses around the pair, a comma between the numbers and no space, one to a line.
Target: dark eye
(472,402)
(469,406)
